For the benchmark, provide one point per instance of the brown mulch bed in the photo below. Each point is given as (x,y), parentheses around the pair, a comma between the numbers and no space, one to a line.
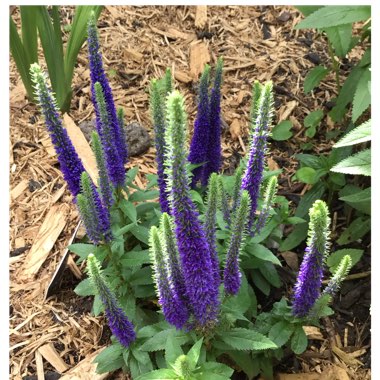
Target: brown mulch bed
(138,43)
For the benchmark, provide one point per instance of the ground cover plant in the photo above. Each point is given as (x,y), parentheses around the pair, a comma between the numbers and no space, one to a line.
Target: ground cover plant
(196,253)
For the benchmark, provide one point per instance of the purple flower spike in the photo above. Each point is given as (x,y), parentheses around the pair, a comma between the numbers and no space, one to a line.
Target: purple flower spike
(193,248)
(118,322)
(308,286)
(70,163)
(97,74)
(200,141)
(214,151)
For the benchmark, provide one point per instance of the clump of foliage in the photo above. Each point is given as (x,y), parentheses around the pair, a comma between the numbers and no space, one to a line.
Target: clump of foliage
(177,285)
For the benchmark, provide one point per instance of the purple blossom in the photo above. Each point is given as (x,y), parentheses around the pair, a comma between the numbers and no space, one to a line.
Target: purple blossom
(70,163)
(200,141)
(193,248)
(97,74)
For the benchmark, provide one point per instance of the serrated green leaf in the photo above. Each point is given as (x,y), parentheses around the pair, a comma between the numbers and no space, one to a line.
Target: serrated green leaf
(110,359)
(307,10)
(158,341)
(359,163)
(269,272)
(140,195)
(314,77)
(81,249)
(362,97)
(97,306)
(260,282)
(307,175)
(142,276)
(360,200)
(172,350)
(85,288)
(282,131)
(298,344)
(194,353)
(333,15)
(356,230)
(358,135)
(313,119)
(281,332)
(129,210)
(159,374)
(262,252)
(334,259)
(245,362)
(243,339)
(214,371)
(141,233)
(340,38)
(135,258)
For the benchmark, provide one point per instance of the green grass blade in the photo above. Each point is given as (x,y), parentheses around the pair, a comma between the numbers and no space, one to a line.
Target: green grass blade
(53,57)
(29,32)
(57,28)
(20,57)
(78,35)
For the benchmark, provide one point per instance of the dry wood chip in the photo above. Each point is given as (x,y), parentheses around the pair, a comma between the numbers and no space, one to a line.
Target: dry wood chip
(272,164)
(173,33)
(235,129)
(199,56)
(313,332)
(48,233)
(347,358)
(48,145)
(51,355)
(200,16)
(82,147)
(298,376)
(133,54)
(291,259)
(85,370)
(182,77)
(242,66)
(19,189)
(40,366)
(287,110)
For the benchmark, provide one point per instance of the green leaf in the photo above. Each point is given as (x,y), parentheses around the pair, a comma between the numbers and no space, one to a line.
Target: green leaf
(298,344)
(243,339)
(159,374)
(269,272)
(215,371)
(334,259)
(85,288)
(29,32)
(362,97)
(123,230)
(142,276)
(245,362)
(314,77)
(295,220)
(139,196)
(110,359)
(282,131)
(359,163)
(262,253)
(312,120)
(158,341)
(334,15)
(141,233)
(307,10)
(307,175)
(260,282)
(81,249)
(356,230)
(308,199)
(135,258)
(310,160)
(129,210)
(360,200)
(340,38)
(97,306)
(172,350)
(358,135)
(298,235)
(280,332)
(194,353)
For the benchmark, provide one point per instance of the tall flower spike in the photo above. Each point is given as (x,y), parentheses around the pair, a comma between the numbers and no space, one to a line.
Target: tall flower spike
(123,136)
(115,166)
(260,129)
(159,123)
(200,141)
(210,224)
(170,246)
(95,215)
(118,322)
(173,308)
(214,149)
(269,195)
(97,74)
(193,247)
(339,276)
(69,161)
(307,288)
(232,275)
(105,186)
(224,199)
(237,185)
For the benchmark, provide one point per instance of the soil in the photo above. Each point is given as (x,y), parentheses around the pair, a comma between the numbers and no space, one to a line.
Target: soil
(138,43)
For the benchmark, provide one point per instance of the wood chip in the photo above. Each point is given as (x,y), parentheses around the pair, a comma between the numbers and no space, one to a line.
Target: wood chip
(347,358)
(200,16)
(133,54)
(40,366)
(19,189)
(272,164)
(82,147)
(85,370)
(313,332)
(291,259)
(199,56)
(48,233)
(49,147)
(287,110)
(74,267)
(51,355)
(182,77)
(235,129)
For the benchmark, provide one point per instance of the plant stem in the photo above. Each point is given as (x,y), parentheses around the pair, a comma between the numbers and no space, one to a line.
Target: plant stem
(335,65)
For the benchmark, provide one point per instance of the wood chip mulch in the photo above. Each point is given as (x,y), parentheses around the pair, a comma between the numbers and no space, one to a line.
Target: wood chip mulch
(138,43)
